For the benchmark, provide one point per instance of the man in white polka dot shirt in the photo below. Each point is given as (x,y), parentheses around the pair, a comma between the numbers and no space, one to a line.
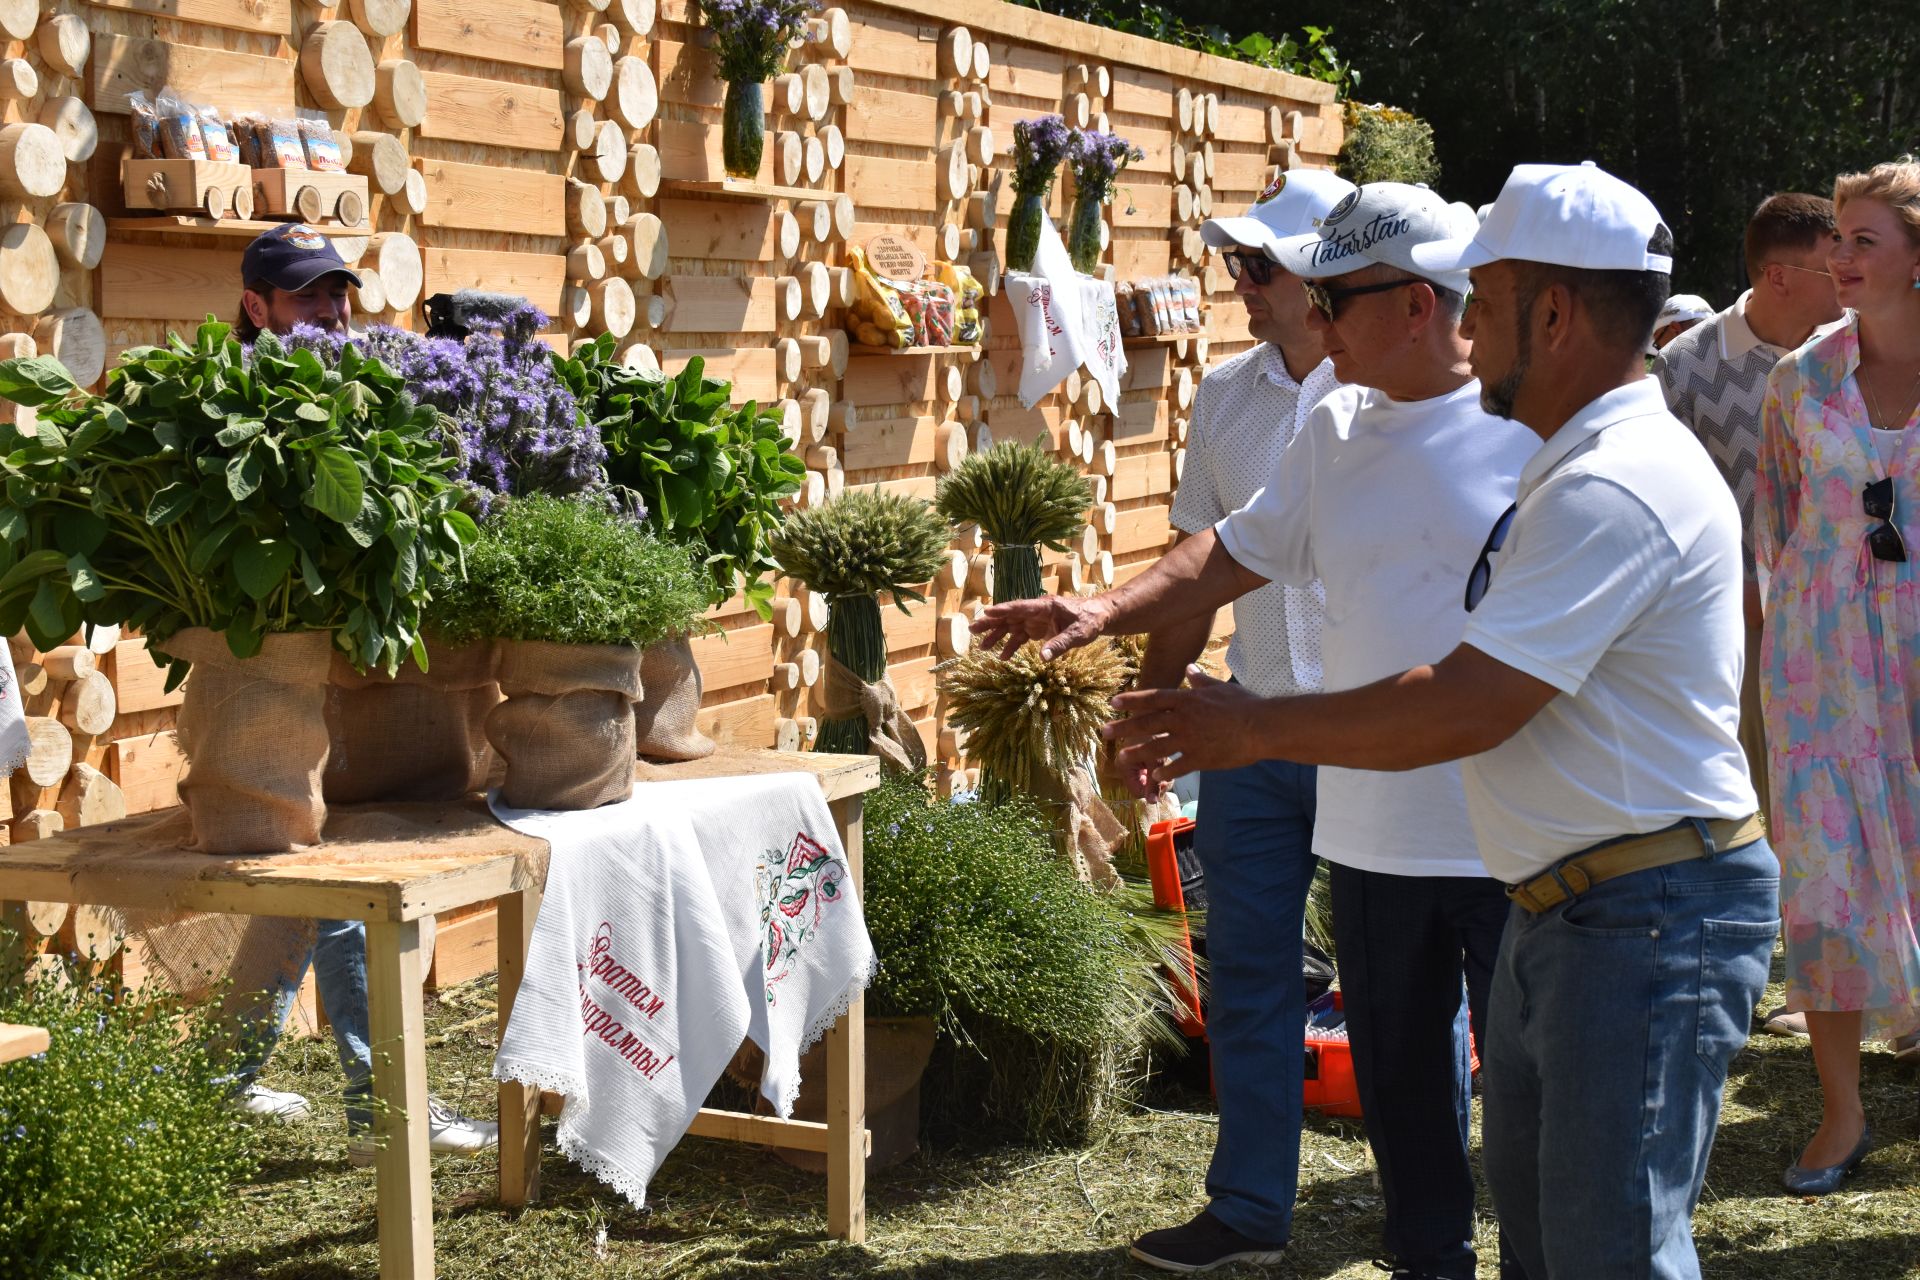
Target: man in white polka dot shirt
(1255,840)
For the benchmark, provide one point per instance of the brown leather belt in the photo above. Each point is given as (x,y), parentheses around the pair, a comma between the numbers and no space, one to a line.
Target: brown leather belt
(1676,844)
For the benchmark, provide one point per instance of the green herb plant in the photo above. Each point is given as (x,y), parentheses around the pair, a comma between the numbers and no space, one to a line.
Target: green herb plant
(1386,144)
(116,1140)
(1022,498)
(710,475)
(849,549)
(201,489)
(570,571)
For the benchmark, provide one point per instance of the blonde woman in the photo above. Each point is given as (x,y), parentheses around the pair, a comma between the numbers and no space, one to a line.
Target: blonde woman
(1838,509)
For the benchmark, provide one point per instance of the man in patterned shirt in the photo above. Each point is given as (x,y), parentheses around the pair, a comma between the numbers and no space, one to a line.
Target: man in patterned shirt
(1715,376)
(1255,840)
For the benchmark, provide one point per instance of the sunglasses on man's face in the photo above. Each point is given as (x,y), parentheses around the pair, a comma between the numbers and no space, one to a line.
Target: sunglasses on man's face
(1883,539)
(1255,265)
(1327,301)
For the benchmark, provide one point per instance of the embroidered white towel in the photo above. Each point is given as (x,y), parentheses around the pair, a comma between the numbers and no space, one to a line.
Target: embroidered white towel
(1065,320)
(676,924)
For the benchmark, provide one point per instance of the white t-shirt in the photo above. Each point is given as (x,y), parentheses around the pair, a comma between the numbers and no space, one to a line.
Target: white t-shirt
(1619,585)
(1245,414)
(1388,503)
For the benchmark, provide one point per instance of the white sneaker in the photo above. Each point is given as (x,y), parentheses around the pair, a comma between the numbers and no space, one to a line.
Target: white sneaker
(271,1104)
(448,1134)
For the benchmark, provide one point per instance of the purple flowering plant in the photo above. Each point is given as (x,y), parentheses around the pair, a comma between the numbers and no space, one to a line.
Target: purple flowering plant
(751,37)
(1097,158)
(1038,148)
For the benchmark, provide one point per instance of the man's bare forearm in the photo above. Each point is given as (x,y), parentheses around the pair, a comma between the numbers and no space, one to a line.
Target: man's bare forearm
(1171,648)
(1190,581)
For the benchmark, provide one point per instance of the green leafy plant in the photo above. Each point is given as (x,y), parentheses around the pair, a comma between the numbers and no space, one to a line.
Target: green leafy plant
(850,549)
(1310,54)
(709,475)
(1020,496)
(204,489)
(117,1139)
(570,571)
(1045,994)
(1386,144)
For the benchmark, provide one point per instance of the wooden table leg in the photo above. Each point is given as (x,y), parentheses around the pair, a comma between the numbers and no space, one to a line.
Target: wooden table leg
(519,1104)
(847,1078)
(395,971)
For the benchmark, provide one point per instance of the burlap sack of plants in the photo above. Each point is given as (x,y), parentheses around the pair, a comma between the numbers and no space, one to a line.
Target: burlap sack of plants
(565,730)
(663,720)
(412,736)
(255,736)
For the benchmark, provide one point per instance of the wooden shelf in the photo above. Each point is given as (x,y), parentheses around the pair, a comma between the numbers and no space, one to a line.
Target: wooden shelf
(741,189)
(1159,339)
(200,224)
(971,352)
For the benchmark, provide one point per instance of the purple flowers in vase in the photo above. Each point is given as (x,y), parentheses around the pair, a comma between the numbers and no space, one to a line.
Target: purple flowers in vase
(751,37)
(1096,159)
(1038,148)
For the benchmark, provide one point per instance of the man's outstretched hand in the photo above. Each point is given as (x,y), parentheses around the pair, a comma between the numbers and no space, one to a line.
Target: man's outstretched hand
(1167,733)
(1061,622)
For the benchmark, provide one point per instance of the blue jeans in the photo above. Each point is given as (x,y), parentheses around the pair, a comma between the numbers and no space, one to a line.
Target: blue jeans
(1409,948)
(1614,1018)
(1254,842)
(339,962)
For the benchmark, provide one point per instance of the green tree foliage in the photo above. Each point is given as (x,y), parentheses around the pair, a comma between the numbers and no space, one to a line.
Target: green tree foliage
(1309,54)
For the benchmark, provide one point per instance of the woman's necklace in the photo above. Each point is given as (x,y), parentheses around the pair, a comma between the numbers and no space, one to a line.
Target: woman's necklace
(1873,403)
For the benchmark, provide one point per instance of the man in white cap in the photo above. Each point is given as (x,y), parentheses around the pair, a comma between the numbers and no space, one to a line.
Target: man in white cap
(1385,498)
(1254,838)
(1678,314)
(1595,702)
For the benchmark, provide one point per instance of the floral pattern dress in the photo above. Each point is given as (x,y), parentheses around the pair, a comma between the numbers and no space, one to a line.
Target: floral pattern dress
(1841,690)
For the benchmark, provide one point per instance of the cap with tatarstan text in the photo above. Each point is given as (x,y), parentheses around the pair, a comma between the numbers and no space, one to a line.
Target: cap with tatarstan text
(1565,215)
(1378,224)
(1291,204)
(291,257)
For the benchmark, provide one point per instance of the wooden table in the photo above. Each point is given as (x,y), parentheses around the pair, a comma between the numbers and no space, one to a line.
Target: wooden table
(395,865)
(17,1042)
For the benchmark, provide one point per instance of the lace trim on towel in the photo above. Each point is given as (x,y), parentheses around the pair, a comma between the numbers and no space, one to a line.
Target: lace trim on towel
(861,980)
(573,1122)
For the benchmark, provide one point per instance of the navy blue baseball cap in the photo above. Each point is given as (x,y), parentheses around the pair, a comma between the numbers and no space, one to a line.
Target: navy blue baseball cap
(291,257)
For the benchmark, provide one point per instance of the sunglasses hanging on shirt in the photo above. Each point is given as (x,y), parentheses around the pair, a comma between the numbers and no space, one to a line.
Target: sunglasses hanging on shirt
(1482,575)
(1883,539)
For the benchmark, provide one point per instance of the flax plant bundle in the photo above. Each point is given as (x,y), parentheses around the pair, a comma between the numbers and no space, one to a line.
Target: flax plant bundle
(1022,498)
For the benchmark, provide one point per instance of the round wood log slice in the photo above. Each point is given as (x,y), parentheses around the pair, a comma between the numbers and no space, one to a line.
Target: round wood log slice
(589,68)
(79,234)
(586,263)
(350,248)
(786,233)
(642,180)
(816,218)
(635,17)
(18,18)
(817,89)
(840,350)
(982,61)
(786,297)
(33,163)
(615,251)
(400,93)
(583,128)
(649,243)
(817,287)
(787,95)
(96,934)
(840,86)
(381,18)
(835,145)
(791,153)
(949,242)
(397,258)
(74,337)
(786,359)
(619,209)
(49,751)
(45,918)
(586,211)
(412,197)
(1183,110)
(29,268)
(18,79)
(336,65)
(608,159)
(72,122)
(843,217)
(371,295)
(956,52)
(576,308)
(816,158)
(382,158)
(839,40)
(636,97)
(88,705)
(101,639)
(614,306)
(65,43)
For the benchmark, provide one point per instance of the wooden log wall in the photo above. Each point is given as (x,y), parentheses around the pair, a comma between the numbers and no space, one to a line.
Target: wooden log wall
(569,152)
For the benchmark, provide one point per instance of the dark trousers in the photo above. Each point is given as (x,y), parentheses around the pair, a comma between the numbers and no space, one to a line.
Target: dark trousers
(1404,946)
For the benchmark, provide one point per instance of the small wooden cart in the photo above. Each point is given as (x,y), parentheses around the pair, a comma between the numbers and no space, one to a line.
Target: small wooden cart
(392,866)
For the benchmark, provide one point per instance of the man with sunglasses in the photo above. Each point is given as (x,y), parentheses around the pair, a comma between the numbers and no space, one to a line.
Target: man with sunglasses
(1385,497)
(1254,839)
(1594,702)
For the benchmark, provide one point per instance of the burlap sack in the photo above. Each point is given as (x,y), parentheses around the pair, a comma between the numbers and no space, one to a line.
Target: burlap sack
(255,737)
(663,720)
(565,730)
(414,735)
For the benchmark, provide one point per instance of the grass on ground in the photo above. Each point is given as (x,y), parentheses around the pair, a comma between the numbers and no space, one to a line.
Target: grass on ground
(720,1210)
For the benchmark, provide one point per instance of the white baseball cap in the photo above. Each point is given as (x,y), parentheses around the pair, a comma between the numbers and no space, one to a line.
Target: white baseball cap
(1684,306)
(1568,215)
(1292,203)
(1379,223)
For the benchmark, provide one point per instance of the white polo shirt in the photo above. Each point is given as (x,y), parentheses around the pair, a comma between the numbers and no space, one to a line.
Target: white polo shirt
(1387,503)
(1245,414)
(1620,585)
